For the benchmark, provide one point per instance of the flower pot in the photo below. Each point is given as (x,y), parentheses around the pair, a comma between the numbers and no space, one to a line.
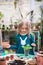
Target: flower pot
(40,58)
(2,62)
(11,57)
(11,26)
(15,26)
(26,52)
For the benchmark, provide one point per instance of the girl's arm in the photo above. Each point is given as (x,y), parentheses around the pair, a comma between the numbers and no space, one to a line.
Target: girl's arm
(15,46)
(5,45)
(33,40)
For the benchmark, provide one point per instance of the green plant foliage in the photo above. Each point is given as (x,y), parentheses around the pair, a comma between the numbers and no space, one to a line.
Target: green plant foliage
(38,0)
(1,15)
(15,4)
(41,32)
(6,52)
(27,47)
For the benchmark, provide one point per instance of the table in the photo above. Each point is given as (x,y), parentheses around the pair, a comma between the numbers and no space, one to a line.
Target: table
(30,59)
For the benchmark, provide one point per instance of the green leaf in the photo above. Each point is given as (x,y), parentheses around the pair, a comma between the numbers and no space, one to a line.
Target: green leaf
(6,52)
(22,46)
(1,15)
(27,47)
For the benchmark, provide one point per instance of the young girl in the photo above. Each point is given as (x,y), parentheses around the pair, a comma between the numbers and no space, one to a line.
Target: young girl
(24,37)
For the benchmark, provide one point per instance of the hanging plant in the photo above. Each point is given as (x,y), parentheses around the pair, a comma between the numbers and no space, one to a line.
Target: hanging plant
(15,4)
(1,15)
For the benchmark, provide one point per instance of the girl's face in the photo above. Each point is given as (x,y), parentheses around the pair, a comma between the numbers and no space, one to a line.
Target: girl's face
(24,29)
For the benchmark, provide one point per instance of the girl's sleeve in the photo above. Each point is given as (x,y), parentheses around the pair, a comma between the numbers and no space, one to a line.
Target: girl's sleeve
(32,38)
(15,46)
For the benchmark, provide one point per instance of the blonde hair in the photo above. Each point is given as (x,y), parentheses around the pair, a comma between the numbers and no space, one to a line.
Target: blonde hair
(27,24)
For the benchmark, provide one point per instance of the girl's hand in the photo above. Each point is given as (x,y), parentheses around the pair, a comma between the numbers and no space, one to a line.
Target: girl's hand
(33,44)
(5,44)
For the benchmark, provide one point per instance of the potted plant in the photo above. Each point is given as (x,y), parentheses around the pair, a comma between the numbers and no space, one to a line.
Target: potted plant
(1,15)
(38,0)
(15,25)
(7,30)
(41,32)
(15,4)
(26,49)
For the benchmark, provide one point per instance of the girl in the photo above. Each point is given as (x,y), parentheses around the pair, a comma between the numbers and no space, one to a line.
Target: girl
(23,37)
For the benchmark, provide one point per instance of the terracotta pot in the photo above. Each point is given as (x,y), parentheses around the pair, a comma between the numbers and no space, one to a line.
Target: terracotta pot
(39,59)
(7,58)
(11,26)
(2,62)
(11,57)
